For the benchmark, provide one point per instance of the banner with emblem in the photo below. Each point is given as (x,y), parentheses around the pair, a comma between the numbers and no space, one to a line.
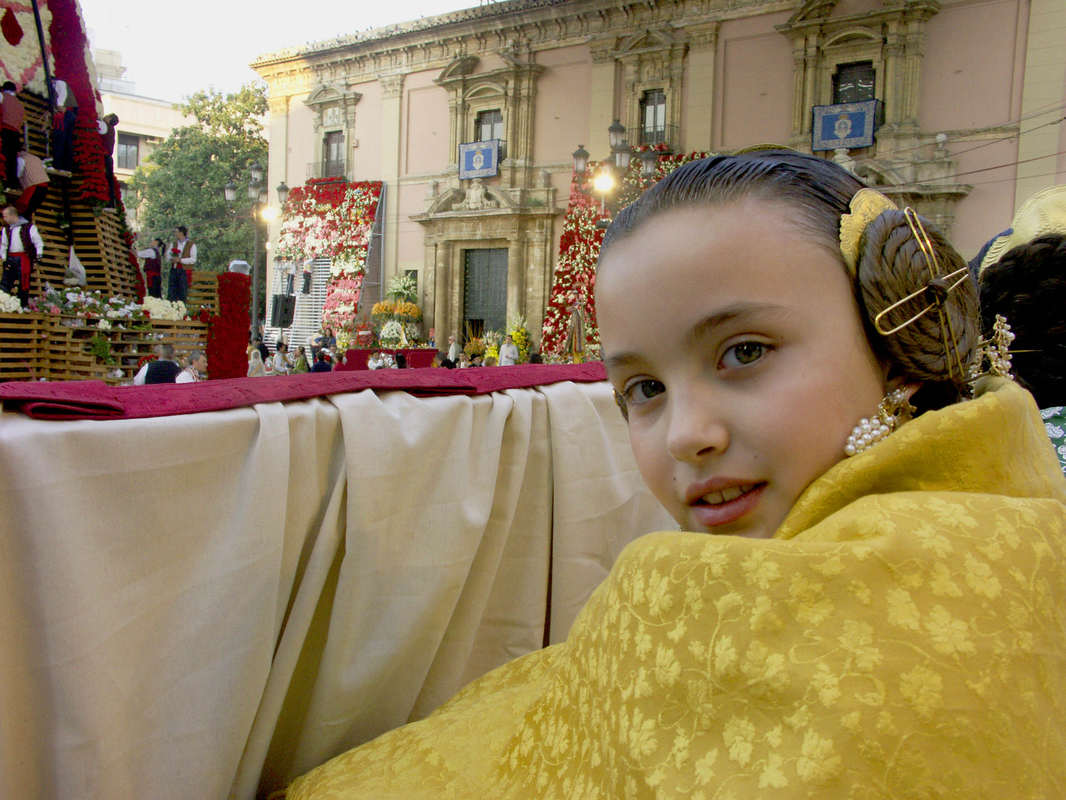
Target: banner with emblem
(849,125)
(479,159)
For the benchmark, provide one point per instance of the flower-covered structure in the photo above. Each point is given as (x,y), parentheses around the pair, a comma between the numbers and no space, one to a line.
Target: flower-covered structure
(579,249)
(332,219)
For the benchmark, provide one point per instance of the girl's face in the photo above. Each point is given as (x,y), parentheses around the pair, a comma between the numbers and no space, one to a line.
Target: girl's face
(736,342)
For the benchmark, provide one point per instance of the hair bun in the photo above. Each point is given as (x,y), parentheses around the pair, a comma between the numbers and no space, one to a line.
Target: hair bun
(892,266)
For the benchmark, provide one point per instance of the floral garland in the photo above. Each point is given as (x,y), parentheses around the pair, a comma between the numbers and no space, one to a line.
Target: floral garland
(227,333)
(20,51)
(91,305)
(332,219)
(70,48)
(579,250)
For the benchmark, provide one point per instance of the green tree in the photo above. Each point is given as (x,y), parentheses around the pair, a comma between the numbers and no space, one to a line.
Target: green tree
(182,182)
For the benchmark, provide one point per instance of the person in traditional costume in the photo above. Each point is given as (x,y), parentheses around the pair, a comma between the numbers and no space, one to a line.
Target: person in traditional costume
(106,127)
(33,178)
(867,598)
(21,247)
(182,261)
(64,119)
(153,267)
(574,347)
(12,119)
(1022,277)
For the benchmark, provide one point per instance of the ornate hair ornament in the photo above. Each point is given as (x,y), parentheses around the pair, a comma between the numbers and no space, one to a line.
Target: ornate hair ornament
(994,352)
(935,292)
(866,206)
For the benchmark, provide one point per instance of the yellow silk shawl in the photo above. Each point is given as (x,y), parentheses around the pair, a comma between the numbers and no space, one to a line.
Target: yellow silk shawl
(902,636)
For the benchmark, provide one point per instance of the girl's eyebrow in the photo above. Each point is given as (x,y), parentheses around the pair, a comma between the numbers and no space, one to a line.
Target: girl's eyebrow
(731,314)
(703,328)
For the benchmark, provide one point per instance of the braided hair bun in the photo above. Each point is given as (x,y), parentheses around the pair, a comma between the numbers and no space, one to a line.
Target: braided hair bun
(937,347)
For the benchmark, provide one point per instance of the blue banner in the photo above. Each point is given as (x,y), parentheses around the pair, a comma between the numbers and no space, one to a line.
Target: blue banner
(849,125)
(479,159)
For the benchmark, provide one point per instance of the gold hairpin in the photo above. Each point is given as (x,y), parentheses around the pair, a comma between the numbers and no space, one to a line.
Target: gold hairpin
(866,206)
(935,291)
(995,351)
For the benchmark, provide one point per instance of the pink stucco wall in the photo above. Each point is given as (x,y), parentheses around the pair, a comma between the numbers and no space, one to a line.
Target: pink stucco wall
(754,83)
(367,156)
(425,124)
(561,118)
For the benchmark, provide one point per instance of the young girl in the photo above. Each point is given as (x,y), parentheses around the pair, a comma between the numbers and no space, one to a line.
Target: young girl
(886,625)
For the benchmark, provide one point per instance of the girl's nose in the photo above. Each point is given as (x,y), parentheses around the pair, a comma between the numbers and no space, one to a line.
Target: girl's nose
(697,427)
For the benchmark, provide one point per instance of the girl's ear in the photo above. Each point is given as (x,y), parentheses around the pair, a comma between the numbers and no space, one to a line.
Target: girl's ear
(894,379)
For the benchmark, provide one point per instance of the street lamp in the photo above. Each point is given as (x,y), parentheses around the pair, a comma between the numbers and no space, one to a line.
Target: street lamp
(255,194)
(581,160)
(649,162)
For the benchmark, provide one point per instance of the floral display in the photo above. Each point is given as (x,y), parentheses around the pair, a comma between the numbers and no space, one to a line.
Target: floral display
(332,219)
(20,50)
(227,333)
(159,308)
(392,333)
(92,305)
(9,304)
(574,282)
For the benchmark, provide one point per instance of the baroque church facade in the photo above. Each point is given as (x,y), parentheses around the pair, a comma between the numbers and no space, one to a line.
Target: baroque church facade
(968,93)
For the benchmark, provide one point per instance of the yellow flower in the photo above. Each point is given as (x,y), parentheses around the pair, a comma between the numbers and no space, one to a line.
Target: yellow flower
(857,639)
(818,761)
(738,735)
(901,609)
(667,667)
(922,686)
(950,635)
(759,571)
(979,577)
(771,775)
(705,767)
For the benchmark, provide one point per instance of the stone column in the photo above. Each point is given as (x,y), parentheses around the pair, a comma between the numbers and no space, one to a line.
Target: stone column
(601,101)
(517,255)
(277,170)
(391,145)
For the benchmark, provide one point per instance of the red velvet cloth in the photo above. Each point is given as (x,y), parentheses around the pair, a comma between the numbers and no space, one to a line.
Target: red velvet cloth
(417,357)
(97,400)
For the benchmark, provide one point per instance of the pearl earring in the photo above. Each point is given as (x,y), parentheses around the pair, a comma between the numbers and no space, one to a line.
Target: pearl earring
(893,411)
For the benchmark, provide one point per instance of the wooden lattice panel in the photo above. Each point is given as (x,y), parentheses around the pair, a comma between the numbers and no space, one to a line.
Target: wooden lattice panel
(203,292)
(59,348)
(21,342)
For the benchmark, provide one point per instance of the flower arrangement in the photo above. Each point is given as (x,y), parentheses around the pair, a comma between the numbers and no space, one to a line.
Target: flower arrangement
(158,308)
(9,304)
(382,311)
(407,312)
(403,288)
(332,219)
(100,346)
(574,281)
(474,347)
(392,333)
(91,305)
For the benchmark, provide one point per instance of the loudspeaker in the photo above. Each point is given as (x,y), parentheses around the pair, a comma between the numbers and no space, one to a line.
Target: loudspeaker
(282,310)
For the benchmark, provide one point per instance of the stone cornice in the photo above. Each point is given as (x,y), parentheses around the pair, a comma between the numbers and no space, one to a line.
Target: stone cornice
(529,25)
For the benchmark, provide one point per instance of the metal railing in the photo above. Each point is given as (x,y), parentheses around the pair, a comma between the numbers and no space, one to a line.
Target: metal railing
(662,134)
(327,169)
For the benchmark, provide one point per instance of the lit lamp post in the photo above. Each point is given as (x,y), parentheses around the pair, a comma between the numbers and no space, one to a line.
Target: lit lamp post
(605,180)
(257,195)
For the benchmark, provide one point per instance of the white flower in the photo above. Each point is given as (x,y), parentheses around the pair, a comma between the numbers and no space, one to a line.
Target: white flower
(9,304)
(103,325)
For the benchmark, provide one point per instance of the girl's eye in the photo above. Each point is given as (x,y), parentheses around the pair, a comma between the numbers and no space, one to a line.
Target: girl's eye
(744,354)
(642,391)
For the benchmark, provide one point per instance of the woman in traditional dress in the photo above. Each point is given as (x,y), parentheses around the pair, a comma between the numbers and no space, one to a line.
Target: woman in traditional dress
(869,599)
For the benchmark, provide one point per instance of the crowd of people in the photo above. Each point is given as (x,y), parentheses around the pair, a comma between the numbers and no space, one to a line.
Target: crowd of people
(166,368)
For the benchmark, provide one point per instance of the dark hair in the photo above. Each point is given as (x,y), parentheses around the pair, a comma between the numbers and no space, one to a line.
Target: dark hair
(183,229)
(891,264)
(401,361)
(9,86)
(159,242)
(1028,287)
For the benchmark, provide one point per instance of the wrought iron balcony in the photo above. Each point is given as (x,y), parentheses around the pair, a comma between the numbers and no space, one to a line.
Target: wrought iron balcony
(659,135)
(327,169)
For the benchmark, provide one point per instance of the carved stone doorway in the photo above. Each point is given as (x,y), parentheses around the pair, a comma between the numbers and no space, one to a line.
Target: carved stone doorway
(484,290)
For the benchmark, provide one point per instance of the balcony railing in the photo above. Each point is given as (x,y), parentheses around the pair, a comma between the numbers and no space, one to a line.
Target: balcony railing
(327,169)
(662,134)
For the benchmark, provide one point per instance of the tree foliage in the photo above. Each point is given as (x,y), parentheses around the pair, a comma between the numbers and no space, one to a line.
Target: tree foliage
(182,182)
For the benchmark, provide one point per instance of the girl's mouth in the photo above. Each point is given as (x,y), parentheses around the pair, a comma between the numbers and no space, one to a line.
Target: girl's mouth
(726,505)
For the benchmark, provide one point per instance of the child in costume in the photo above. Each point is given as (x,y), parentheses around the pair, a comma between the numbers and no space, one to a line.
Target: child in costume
(870,600)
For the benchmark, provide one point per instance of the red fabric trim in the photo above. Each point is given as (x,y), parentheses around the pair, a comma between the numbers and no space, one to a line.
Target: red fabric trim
(97,400)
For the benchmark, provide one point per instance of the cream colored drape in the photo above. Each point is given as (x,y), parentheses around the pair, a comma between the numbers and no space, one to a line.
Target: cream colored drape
(208,605)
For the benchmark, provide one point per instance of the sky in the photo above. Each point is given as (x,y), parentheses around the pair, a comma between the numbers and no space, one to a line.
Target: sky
(171,50)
